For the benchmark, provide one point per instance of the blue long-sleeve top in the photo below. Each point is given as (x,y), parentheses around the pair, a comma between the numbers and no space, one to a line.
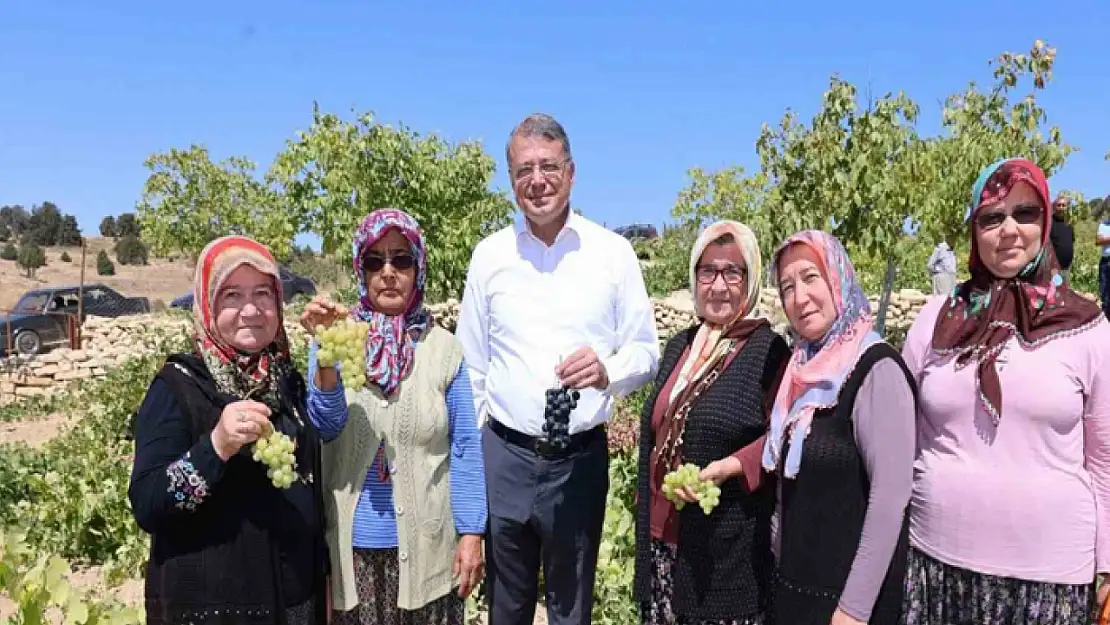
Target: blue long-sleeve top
(375,526)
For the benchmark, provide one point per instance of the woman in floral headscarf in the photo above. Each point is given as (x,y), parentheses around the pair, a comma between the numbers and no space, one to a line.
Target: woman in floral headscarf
(1010,516)
(841,441)
(228,545)
(402,464)
(709,407)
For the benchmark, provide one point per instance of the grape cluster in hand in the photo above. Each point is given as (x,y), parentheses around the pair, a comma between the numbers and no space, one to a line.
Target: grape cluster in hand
(708,493)
(556,414)
(276,452)
(344,342)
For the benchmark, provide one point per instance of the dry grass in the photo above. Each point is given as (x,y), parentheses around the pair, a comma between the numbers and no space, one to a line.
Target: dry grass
(160,280)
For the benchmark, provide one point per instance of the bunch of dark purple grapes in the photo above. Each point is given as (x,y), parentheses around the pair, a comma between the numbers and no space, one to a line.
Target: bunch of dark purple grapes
(561,402)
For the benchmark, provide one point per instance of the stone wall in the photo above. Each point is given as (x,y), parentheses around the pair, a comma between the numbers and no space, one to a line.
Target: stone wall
(107,343)
(676,312)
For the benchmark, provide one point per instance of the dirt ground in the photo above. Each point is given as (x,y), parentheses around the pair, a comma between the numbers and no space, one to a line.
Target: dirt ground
(160,280)
(35,432)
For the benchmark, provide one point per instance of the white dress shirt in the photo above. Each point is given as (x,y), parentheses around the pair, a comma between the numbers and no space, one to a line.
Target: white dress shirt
(526,306)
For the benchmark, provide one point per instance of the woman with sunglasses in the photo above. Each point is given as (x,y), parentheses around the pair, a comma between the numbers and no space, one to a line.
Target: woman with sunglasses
(405,489)
(1010,514)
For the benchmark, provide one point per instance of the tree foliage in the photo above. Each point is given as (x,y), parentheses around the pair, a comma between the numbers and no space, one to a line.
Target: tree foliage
(337,172)
(188,201)
(69,233)
(31,257)
(130,250)
(104,265)
(865,173)
(14,221)
(108,227)
(128,226)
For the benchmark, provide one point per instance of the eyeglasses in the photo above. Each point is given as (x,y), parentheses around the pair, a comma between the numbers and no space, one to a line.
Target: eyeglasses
(376,262)
(707,274)
(552,170)
(1024,214)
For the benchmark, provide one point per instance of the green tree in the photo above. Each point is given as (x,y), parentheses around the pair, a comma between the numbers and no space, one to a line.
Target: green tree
(31,257)
(866,174)
(128,226)
(130,251)
(981,127)
(45,225)
(69,233)
(108,227)
(337,172)
(9,251)
(104,266)
(188,201)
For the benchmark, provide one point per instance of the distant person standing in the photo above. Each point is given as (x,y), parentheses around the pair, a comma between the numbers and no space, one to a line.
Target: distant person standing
(553,300)
(942,268)
(1062,236)
(1102,238)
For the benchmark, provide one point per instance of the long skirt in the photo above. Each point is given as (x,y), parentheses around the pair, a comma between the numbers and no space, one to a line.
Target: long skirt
(937,593)
(659,611)
(376,578)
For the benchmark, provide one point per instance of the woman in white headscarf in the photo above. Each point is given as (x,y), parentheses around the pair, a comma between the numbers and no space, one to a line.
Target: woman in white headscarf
(709,407)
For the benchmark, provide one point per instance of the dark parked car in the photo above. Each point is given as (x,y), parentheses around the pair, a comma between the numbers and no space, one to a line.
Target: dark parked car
(292,285)
(637,231)
(42,319)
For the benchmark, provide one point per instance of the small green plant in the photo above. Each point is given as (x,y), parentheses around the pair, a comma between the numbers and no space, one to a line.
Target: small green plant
(104,265)
(65,257)
(9,252)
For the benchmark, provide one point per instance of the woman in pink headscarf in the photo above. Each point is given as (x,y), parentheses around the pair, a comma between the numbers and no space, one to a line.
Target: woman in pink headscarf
(841,442)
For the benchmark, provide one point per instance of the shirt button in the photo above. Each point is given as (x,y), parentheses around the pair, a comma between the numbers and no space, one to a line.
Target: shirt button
(399,510)
(404,556)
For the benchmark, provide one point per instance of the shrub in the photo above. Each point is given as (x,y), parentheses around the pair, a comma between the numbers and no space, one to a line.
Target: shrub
(9,252)
(30,258)
(104,265)
(65,257)
(131,251)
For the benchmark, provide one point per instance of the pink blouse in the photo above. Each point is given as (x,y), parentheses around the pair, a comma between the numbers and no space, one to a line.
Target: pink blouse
(1030,498)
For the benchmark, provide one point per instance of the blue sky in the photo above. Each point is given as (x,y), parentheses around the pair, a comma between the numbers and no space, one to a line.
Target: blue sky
(646,90)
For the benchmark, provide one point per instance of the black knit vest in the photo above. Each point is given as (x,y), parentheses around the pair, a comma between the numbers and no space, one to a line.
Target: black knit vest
(224,564)
(823,510)
(724,563)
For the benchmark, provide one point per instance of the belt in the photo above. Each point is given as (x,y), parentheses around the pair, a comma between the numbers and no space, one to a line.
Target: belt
(539,445)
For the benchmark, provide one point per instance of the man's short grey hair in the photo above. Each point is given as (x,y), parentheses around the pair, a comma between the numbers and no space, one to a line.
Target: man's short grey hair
(539,125)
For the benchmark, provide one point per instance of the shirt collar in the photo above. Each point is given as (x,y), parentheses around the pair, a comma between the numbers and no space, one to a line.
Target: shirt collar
(573,224)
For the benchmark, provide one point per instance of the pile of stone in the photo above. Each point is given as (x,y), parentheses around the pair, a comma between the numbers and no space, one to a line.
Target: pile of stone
(107,343)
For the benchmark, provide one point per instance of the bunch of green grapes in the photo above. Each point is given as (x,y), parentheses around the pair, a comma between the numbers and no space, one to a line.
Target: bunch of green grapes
(344,343)
(276,451)
(708,493)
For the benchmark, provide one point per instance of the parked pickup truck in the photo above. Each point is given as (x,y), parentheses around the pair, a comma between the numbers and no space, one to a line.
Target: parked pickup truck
(41,319)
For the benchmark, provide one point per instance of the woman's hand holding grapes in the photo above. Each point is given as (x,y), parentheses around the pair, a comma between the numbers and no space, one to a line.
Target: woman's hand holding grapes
(241,423)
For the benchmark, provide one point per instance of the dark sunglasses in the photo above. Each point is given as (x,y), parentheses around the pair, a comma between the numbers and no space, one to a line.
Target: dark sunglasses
(376,262)
(1024,214)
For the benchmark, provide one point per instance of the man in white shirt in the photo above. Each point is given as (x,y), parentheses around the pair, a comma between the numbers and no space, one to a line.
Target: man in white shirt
(552,300)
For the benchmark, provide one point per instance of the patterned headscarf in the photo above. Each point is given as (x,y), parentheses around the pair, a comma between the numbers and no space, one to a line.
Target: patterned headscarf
(982,314)
(238,373)
(711,345)
(390,343)
(817,369)
(713,341)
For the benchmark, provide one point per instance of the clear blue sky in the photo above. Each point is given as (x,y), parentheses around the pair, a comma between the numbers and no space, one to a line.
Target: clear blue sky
(645,89)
